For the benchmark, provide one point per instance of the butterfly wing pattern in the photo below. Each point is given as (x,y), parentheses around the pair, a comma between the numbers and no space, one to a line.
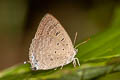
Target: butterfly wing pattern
(51,47)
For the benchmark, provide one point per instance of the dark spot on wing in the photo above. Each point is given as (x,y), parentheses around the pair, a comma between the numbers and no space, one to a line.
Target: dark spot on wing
(51,59)
(34,68)
(36,60)
(62,39)
(57,43)
(57,33)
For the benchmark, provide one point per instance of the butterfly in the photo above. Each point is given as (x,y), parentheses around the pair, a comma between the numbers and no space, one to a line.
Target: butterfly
(51,47)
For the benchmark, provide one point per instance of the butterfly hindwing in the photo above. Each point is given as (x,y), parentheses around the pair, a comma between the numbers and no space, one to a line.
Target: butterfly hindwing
(51,46)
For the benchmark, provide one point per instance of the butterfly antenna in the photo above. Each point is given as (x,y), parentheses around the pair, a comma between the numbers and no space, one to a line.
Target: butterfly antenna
(75,38)
(83,42)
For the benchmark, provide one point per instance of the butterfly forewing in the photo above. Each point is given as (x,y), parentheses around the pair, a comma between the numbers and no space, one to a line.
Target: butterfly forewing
(51,46)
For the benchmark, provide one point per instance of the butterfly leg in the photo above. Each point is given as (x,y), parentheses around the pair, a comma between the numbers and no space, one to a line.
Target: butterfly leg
(76,60)
(61,67)
(55,69)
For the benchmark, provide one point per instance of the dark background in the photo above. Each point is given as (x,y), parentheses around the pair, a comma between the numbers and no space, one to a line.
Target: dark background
(19,20)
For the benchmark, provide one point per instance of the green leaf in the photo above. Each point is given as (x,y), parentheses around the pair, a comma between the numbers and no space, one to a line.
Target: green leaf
(112,76)
(99,56)
(103,45)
